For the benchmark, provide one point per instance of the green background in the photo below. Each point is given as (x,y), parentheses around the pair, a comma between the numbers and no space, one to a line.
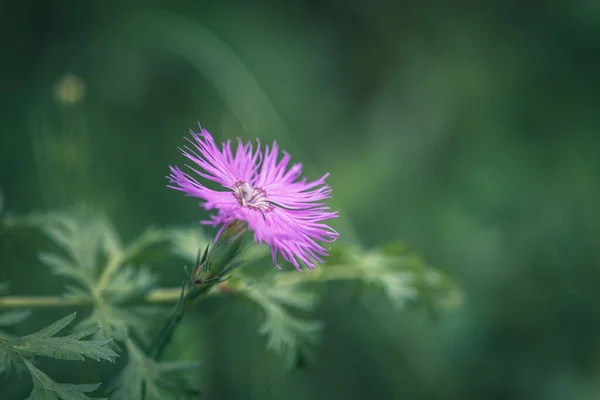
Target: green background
(467,129)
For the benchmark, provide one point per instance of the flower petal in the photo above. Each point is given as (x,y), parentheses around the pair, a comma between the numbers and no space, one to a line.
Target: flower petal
(220,165)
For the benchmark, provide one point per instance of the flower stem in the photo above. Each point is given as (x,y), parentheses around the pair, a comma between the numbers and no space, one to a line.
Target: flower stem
(163,295)
(162,339)
(171,295)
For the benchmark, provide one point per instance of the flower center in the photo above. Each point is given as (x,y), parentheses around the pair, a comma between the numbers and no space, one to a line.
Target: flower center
(251,197)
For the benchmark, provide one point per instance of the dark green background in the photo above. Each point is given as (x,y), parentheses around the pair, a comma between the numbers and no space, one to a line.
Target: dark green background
(467,129)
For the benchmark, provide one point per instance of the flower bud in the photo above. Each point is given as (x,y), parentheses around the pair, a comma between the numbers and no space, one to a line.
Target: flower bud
(225,249)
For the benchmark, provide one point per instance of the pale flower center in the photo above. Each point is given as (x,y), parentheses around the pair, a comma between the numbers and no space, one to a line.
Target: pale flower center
(251,197)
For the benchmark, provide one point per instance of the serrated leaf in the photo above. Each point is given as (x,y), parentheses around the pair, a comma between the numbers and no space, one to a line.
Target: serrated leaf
(90,240)
(401,275)
(70,347)
(287,334)
(61,266)
(31,220)
(95,258)
(51,329)
(9,360)
(83,234)
(129,283)
(156,380)
(117,322)
(91,245)
(44,388)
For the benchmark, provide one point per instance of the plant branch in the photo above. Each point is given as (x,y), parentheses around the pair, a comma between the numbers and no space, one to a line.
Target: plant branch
(149,237)
(109,270)
(163,295)
(171,295)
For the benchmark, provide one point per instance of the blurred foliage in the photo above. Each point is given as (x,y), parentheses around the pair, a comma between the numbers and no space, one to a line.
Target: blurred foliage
(112,279)
(145,378)
(469,130)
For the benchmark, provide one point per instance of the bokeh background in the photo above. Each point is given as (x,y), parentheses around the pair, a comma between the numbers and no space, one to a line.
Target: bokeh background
(467,129)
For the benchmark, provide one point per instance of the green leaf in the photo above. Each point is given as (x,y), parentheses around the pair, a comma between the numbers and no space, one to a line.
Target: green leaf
(117,322)
(129,283)
(51,329)
(44,388)
(288,335)
(90,242)
(85,236)
(94,257)
(402,277)
(9,359)
(14,317)
(61,266)
(186,242)
(145,378)
(70,347)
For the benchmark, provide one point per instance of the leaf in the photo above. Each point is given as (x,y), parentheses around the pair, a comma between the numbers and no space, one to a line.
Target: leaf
(51,329)
(401,276)
(44,388)
(404,277)
(84,235)
(94,257)
(287,335)
(185,242)
(145,378)
(43,343)
(392,275)
(90,242)
(11,318)
(61,266)
(70,347)
(9,360)
(118,322)
(129,283)
(31,220)
(14,317)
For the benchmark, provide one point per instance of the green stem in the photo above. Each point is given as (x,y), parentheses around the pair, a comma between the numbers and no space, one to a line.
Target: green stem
(163,338)
(171,295)
(109,271)
(163,295)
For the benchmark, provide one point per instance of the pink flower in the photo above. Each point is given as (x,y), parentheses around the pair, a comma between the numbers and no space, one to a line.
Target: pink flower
(282,211)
